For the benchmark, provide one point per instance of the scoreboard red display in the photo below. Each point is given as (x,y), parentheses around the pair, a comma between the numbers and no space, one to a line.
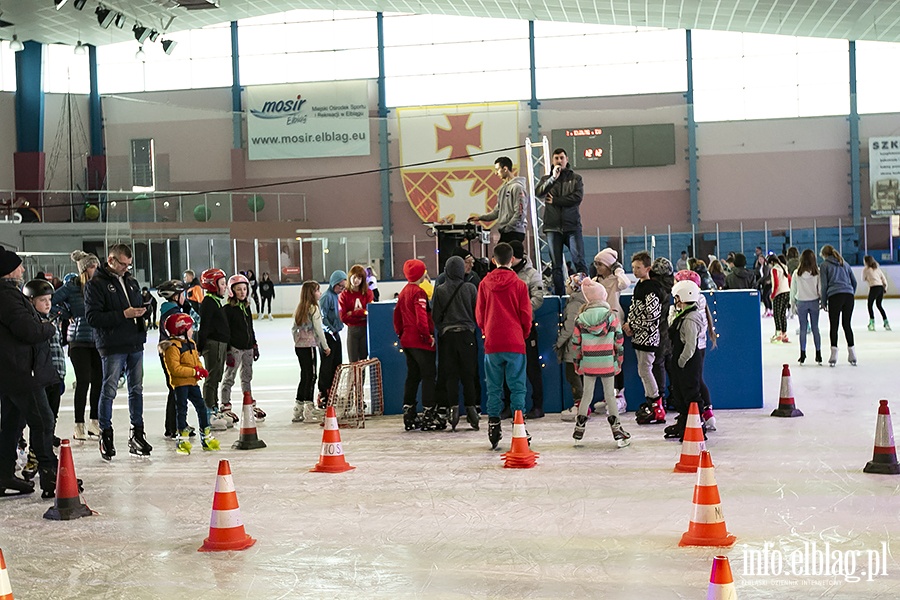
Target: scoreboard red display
(617,146)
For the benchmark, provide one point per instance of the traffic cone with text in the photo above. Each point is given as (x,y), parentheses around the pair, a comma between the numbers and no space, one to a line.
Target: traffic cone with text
(331,459)
(520,455)
(707,527)
(226,529)
(67,505)
(248,440)
(884,459)
(721,581)
(693,443)
(5,587)
(786,406)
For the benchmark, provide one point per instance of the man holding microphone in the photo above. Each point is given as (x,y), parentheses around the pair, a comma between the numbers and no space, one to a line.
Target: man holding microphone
(562,192)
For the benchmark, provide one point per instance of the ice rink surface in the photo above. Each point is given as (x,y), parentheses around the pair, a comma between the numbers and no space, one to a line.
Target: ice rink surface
(434,514)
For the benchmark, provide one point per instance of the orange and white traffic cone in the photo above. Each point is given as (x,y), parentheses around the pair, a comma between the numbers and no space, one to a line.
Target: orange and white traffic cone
(331,459)
(248,440)
(786,406)
(67,506)
(884,459)
(693,444)
(226,529)
(520,455)
(721,581)
(707,527)
(5,587)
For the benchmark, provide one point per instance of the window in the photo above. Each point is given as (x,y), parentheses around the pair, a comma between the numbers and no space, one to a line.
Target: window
(143,172)
(7,68)
(877,87)
(65,71)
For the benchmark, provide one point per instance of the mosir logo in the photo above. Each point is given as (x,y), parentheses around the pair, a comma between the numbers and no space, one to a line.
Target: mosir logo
(278,109)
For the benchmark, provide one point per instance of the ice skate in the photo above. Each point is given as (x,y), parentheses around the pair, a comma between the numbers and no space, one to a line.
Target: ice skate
(580,425)
(298,413)
(410,417)
(107,447)
(48,483)
(599,407)
(535,413)
(887,325)
(802,357)
(432,420)
(15,486)
(622,437)
(80,432)
(673,431)
(819,357)
(454,417)
(832,360)
(31,467)
(93,429)
(622,404)
(473,417)
(871,326)
(182,443)
(659,413)
(208,442)
(137,443)
(568,415)
(495,434)
(851,355)
(709,419)
(311,414)
(259,414)
(217,422)
(229,414)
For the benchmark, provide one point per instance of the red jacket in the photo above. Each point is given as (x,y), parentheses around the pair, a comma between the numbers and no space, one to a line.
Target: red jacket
(353,306)
(412,319)
(503,312)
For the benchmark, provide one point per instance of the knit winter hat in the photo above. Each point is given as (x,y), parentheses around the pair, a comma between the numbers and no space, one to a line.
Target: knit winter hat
(518,249)
(414,270)
(607,257)
(593,291)
(575,281)
(662,267)
(9,261)
(84,260)
(686,275)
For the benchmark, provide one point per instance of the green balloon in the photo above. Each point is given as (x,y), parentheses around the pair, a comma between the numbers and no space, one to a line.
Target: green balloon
(142,202)
(202,213)
(256,203)
(91,212)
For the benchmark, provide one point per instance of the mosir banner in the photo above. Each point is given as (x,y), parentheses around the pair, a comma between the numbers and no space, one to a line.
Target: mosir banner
(884,175)
(308,120)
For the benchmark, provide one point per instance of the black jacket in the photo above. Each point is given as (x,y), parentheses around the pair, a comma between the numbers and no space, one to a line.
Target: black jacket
(25,364)
(267,288)
(240,322)
(452,308)
(564,214)
(213,322)
(104,306)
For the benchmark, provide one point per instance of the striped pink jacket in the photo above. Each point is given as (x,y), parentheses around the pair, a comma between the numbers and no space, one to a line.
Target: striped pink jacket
(598,341)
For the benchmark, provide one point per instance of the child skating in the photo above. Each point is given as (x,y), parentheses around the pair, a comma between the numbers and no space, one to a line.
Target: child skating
(565,350)
(308,333)
(242,349)
(878,285)
(599,348)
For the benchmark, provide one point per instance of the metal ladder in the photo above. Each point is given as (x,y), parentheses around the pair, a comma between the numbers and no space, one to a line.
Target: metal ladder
(537,161)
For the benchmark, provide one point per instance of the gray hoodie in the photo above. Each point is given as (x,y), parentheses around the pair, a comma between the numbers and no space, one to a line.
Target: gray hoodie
(510,210)
(532,278)
(458,312)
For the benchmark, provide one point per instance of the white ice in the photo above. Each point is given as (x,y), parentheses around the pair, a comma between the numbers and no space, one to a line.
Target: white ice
(434,515)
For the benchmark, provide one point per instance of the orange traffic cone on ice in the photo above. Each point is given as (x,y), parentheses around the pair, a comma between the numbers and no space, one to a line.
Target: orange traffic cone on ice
(331,459)
(721,581)
(226,529)
(694,442)
(786,406)
(884,459)
(5,587)
(707,527)
(248,440)
(68,505)
(520,455)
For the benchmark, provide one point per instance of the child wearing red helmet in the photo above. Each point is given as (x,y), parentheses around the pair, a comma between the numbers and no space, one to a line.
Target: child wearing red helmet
(213,336)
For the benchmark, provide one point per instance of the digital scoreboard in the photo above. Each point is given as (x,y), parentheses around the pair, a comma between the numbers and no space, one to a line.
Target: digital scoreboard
(617,146)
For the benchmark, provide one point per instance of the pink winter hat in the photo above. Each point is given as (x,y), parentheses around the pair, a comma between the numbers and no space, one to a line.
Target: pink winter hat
(593,291)
(687,275)
(607,257)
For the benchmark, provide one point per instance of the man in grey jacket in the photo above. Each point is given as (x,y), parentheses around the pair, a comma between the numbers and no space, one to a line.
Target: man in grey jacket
(509,213)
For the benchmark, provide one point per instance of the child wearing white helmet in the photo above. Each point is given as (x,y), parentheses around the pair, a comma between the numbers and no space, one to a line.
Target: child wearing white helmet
(242,348)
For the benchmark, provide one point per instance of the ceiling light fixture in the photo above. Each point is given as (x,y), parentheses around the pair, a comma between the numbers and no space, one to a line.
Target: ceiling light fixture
(140,54)
(80,49)
(15,45)
(141,33)
(120,20)
(105,17)
(59,3)
(168,46)
(79,4)
(154,35)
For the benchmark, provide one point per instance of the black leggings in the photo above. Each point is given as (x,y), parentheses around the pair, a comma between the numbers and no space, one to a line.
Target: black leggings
(88,374)
(876,295)
(307,386)
(780,307)
(840,307)
(262,305)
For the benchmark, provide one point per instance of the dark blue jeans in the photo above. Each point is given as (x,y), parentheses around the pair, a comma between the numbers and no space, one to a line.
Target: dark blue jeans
(113,367)
(183,393)
(574,241)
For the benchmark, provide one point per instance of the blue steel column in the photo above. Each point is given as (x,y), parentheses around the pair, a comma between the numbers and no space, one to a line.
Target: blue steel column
(853,118)
(533,103)
(693,182)
(29,99)
(95,110)
(235,88)
(385,157)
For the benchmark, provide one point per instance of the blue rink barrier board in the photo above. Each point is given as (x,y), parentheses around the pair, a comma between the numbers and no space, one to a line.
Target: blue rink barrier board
(732,371)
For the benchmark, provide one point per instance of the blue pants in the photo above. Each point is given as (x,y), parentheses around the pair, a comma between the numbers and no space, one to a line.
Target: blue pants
(183,393)
(808,311)
(508,366)
(575,242)
(113,367)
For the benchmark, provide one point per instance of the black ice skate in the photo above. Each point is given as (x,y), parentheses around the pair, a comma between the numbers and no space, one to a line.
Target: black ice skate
(107,447)
(472,417)
(137,443)
(622,437)
(14,486)
(432,420)
(31,467)
(410,418)
(580,425)
(494,432)
(454,417)
(48,483)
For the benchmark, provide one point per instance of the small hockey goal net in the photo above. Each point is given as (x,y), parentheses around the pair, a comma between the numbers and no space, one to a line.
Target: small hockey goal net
(356,392)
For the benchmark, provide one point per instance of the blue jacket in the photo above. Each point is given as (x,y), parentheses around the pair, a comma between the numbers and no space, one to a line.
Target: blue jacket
(328,304)
(69,300)
(835,279)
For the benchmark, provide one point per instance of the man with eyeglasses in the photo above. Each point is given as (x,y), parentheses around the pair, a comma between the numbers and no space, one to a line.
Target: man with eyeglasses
(113,307)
